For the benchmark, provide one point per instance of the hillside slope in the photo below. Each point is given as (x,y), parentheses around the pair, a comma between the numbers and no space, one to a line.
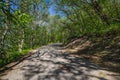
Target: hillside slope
(104,50)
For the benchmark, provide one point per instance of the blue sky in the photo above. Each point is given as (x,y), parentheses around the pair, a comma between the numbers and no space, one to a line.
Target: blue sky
(52,10)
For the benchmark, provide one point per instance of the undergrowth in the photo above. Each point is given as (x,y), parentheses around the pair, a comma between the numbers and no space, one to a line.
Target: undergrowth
(12,56)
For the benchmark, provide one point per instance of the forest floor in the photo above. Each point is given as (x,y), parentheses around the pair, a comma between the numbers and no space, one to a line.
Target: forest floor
(56,63)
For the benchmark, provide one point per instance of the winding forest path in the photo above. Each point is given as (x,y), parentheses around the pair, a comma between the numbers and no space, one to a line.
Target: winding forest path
(57,65)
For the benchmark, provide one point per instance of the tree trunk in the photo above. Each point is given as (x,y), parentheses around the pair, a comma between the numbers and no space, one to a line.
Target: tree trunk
(22,41)
(2,51)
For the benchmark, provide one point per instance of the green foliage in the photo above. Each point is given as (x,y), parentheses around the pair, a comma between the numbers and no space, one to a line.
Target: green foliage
(90,17)
(2,4)
(22,18)
(12,56)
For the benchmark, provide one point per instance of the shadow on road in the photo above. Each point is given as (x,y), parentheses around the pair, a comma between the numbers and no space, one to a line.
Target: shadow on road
(69,68)
(57,65)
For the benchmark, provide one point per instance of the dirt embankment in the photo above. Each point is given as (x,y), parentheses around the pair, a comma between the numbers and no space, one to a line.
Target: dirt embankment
(104,50)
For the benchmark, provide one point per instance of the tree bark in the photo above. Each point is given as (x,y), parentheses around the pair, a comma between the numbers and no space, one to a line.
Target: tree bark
(2,51)
(22,41)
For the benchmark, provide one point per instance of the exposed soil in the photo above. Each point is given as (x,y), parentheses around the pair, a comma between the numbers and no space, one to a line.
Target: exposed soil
(52,62)
(103,50)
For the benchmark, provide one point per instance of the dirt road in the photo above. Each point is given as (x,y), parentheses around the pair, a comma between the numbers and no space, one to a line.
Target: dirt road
(53,64)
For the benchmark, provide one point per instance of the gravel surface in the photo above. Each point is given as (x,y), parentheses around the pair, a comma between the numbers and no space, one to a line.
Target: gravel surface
(50,63)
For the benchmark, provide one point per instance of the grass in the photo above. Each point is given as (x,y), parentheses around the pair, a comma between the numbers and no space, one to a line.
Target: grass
(12,56)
